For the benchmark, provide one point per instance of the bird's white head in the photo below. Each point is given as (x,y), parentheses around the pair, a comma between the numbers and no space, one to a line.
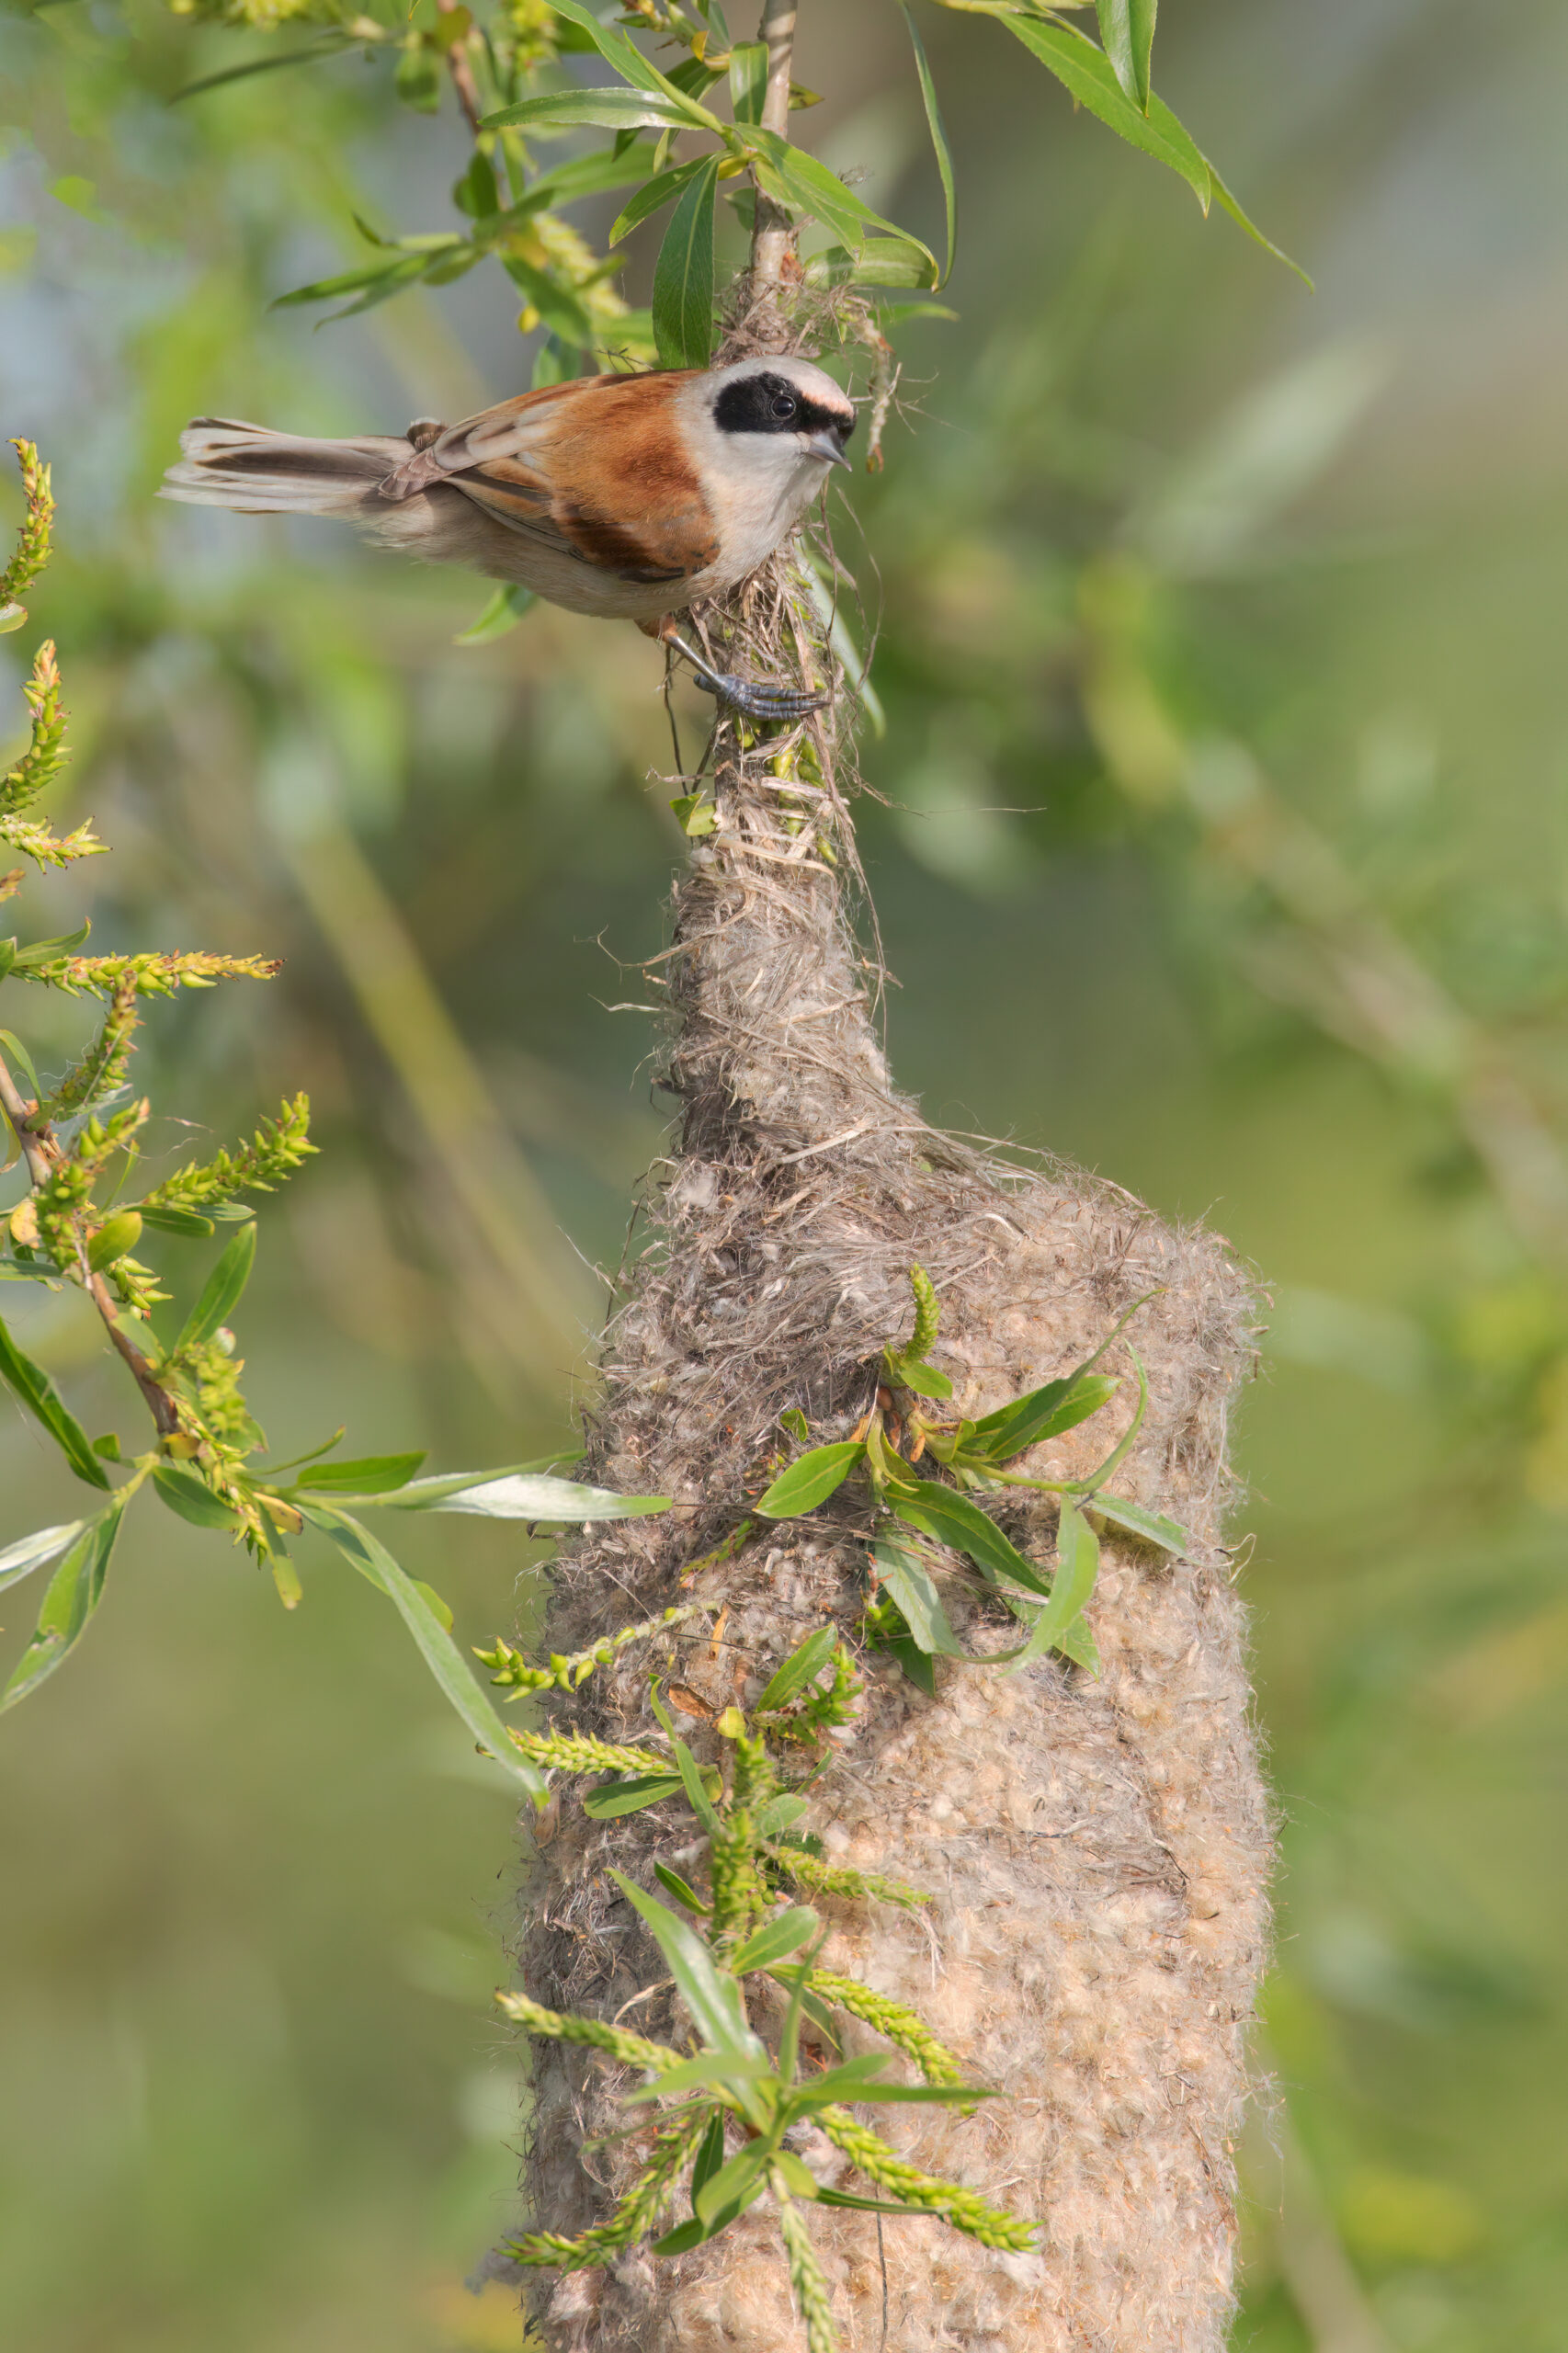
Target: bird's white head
(765,433)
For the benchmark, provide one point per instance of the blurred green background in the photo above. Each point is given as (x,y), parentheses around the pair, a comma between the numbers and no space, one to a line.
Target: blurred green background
(1220,641)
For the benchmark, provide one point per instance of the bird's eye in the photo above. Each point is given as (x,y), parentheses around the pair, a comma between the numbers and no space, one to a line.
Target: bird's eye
(783,406)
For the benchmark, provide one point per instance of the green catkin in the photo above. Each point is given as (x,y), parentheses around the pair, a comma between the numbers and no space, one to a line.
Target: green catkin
(927,1315)
(992,2226)
(513,1673)
(634,2218)
(738,1890)
(806,2277)
(833,1878)
(901,2026)
(595,2034)
(578,1752)
(103,1067)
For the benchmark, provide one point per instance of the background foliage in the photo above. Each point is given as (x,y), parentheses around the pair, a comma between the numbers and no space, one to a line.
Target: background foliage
(1220,656)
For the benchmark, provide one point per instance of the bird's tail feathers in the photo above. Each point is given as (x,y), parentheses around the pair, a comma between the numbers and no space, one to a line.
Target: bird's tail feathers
(226,462)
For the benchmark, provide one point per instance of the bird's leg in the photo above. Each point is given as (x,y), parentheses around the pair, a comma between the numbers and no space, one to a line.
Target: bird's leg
(753,702)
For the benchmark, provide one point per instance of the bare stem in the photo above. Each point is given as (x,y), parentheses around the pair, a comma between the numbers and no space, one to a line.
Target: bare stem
(462,73)
(37,1150)
(773,237)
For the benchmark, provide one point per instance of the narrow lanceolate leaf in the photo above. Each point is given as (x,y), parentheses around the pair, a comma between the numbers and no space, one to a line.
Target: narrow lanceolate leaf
(810,1480)
(1044,1413)
(504,612)
(630,1794)
(373,1474)
(683,275)
(440,1654)
(776,1940)
(189,1497)
(910,1582)
(748,80)
(30,1552)
(517,1495)
(603,109)
(653,195)
(629,62)
(222,1291)
(75,1591)
(798,1669)
(1152,1526)
(953,1519)
(1126,33)
(712,1999)
(1077,1566)
(1088,74)
(801,184)
(938,134)
(41,1397)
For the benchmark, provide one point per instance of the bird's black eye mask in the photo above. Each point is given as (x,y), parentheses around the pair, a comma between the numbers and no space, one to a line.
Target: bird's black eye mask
(769,403)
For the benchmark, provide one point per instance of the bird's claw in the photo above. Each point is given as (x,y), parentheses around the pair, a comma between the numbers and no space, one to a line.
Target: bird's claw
(754,702)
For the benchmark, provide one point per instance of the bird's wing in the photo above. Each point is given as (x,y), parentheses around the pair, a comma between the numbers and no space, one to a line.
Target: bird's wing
(582,468)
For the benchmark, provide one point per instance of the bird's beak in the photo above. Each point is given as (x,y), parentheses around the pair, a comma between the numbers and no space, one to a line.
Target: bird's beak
(827,444)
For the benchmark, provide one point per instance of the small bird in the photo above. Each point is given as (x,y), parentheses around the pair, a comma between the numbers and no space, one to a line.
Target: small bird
(624,496)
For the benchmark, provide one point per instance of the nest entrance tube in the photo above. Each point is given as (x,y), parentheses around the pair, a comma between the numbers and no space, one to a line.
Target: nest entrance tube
(1096,1846)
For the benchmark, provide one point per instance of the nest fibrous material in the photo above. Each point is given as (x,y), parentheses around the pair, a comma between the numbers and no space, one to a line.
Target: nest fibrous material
(1095,1848)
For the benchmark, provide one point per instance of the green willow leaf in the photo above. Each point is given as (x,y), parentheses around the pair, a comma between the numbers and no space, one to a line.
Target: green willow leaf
(327,46)
(504,612)
(617,50)
(373,1474)
(910,1582)
(654,196)
(188,1222)
(75,1591)
(712,1999)
(1152,1526)
(559,308)
(798,1669)
(939,139)
(519,1494)
(189,1497)
(376,282)
(30,1553)
(801,184)
(600,109)
(630,1794)
(223,1291)
(42,1398)
(810,1480)
(1044,1413)
(748,80)
(682,1890)
(953,1519)
(1077,1566)
(683,275)
(729,2068)
(1127,35)
(440,1654)
(776,1940)
(1088,74)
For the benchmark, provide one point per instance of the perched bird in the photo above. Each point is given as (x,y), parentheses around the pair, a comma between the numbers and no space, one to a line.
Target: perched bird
(624,496)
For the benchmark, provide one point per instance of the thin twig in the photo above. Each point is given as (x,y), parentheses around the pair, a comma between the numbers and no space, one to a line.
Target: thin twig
(461,71)
(773,237)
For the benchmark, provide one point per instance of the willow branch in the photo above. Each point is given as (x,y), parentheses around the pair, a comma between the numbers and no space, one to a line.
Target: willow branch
(773,237)
(461,72)
(41,1154)
(39,1151)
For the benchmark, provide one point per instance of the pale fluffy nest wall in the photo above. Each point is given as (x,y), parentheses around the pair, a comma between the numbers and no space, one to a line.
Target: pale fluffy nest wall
(1097,1850)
